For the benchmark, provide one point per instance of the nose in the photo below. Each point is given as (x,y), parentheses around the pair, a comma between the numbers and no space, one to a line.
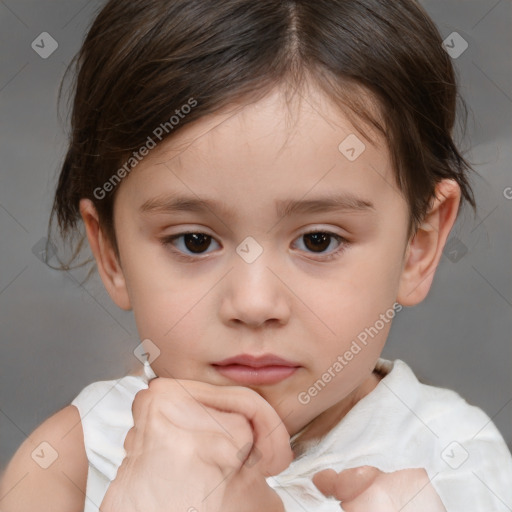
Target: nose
(255,294)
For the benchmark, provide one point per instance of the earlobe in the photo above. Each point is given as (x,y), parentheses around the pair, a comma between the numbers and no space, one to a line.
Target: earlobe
(425,248)
(107,262)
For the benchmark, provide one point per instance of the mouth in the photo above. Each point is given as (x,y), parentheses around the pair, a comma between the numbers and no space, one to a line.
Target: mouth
(252,370)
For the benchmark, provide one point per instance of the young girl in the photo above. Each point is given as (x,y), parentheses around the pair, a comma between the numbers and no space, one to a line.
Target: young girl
(265,184)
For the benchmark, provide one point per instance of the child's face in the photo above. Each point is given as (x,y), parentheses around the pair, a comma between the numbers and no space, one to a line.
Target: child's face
(291,300)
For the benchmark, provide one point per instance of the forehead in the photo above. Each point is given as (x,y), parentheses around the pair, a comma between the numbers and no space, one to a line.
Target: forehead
(268,151)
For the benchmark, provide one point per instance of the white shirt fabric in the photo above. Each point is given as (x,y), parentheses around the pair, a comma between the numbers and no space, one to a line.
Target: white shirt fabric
(401,424)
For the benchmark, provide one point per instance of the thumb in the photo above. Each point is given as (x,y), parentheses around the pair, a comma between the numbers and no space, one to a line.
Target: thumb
(347,484)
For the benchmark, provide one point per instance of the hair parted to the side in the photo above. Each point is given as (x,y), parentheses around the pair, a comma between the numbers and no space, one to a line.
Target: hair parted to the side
(143,59)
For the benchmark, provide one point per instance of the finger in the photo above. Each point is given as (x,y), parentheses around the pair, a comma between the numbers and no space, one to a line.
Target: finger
(347,484)
(171,399)
(270,437)
(220,451)
(325,481)
(173,407)
(234,426)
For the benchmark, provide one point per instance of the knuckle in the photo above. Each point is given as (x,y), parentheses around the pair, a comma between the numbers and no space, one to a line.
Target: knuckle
(362,471)
(158,384)
(164,387)
(140,397)
(155,386)
(129,439)
(139,402)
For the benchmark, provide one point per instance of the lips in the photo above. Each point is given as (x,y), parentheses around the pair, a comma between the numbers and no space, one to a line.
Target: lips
(246,369)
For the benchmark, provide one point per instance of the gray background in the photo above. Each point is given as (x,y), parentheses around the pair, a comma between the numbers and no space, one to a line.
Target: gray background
(58,336)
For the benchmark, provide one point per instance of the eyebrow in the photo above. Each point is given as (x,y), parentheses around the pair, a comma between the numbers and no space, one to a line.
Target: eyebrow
(284,207)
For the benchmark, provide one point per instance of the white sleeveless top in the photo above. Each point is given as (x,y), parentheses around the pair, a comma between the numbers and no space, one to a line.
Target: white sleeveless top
(401,424)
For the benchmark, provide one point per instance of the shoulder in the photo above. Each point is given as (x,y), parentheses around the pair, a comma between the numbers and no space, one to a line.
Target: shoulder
(438,413)
(406,423)
(441,408)
(49,470)
(456,442)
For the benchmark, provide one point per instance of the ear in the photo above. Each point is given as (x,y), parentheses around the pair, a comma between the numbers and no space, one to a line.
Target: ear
(426,247)
(109,268)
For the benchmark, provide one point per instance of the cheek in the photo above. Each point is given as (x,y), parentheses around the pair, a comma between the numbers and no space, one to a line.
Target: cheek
(166,303)
(168,314)
(358,309)
(364,290)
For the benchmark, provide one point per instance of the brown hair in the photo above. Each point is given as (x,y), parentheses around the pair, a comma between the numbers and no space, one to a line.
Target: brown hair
(143,59)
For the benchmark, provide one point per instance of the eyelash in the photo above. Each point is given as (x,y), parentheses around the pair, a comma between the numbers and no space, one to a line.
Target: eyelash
(168,242)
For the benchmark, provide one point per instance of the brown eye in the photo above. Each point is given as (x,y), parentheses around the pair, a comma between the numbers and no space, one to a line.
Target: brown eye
(197,242)
(317,241)
(188,244)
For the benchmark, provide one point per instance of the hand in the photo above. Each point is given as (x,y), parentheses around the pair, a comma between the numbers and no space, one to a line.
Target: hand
(366,489)
(185,451)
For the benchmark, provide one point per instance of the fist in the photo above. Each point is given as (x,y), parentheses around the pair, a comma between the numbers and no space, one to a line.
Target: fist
(189,448)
